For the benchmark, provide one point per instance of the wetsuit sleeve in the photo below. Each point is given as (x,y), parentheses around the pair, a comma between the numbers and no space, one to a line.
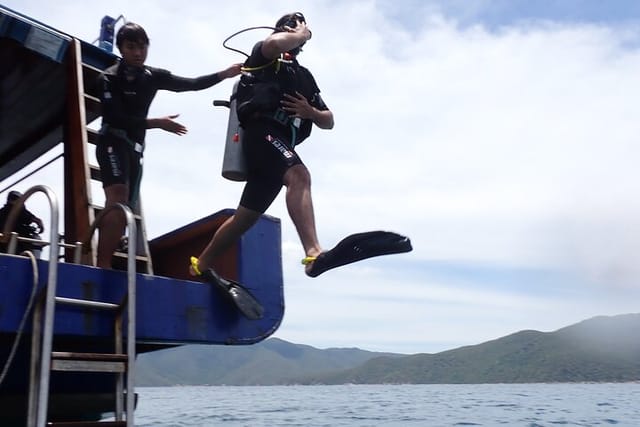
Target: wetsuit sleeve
(113,108)
(316,100)
(168,81)
(256,59)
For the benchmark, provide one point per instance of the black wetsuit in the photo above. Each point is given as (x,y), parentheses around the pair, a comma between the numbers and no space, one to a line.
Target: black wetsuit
(270,135)
(126,94)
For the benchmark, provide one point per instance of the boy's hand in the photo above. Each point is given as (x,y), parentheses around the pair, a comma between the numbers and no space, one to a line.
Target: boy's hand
(232,71)
(167,123)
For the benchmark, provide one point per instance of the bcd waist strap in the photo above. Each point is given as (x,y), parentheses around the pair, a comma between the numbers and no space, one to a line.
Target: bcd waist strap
(284,118)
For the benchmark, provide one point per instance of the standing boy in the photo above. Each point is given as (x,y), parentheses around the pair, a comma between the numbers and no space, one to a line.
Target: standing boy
(126,92)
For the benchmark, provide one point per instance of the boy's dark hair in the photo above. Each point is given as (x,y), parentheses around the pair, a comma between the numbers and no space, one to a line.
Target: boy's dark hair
(131,32)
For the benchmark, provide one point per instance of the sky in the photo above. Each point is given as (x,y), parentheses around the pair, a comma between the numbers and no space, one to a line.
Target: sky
(500,136)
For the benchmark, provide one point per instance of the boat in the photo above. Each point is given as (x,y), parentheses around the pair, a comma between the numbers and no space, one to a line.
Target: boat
(70,331)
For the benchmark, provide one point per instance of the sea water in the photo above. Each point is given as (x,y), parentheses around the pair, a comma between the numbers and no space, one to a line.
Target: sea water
(529,405)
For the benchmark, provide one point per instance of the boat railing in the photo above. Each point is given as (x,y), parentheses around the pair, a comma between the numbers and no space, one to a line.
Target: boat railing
(52,280)
(38,244)
(43,359)
(11,238)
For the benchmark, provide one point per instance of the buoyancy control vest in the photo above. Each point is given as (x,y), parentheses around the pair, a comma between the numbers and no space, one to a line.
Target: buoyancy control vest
(262,87)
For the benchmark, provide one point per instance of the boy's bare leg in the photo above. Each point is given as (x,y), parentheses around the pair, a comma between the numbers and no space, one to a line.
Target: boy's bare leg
(112,225)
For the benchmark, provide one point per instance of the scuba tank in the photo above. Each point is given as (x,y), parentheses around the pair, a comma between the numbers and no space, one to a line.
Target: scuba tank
(233,163)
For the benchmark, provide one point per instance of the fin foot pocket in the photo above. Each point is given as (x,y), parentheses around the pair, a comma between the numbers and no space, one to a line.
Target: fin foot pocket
(357,247)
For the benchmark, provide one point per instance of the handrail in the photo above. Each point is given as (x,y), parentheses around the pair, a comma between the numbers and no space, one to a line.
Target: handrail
(27,311)
(39,396)
(131,225)
(52,281)
(13,237)
(131,302)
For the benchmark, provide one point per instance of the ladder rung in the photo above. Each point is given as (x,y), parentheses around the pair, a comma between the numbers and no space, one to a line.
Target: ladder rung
(96,175)
(92,104)
(88,362)
(91,68)
(89,72)
(87,303)
(142,258)
(87,424)
(88,366)
(92,136)
(104,357)
(90,78)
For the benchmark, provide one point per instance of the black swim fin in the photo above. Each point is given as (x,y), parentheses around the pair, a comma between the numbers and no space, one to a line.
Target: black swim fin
(357,247)
(241,297)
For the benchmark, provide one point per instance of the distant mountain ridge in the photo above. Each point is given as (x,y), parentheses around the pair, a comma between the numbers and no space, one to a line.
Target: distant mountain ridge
(601,349)
(273,361)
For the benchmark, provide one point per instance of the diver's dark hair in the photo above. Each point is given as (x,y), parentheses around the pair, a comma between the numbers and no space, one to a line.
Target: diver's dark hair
(131,32)
(289,20)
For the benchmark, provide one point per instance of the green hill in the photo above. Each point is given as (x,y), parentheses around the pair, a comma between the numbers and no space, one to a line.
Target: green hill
(270,362)
(601,349)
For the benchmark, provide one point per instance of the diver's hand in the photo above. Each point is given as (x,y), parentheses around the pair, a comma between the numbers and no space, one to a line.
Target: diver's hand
(300,28)
(298,106)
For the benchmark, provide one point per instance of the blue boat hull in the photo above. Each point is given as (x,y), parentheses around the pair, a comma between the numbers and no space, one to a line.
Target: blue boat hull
(170,311)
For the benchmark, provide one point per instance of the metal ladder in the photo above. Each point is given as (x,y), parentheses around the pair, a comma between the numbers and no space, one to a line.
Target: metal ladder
(83,108)
(44,360)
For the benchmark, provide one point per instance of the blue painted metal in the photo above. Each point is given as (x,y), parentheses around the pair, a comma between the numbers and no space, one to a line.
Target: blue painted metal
(169,311)
(49,42)
(97,57)
(33,35)
(107,27)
